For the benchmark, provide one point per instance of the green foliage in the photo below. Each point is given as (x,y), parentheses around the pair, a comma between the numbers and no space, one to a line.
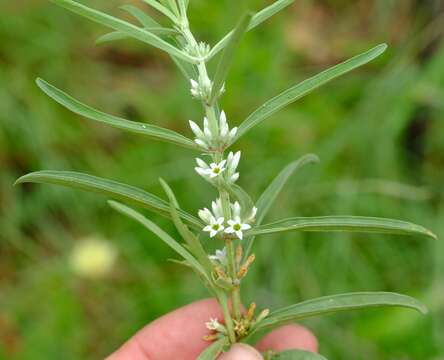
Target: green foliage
(358,125)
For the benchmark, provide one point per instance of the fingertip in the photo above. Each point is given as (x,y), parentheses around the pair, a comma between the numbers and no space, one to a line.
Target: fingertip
(289,337)
(241,352)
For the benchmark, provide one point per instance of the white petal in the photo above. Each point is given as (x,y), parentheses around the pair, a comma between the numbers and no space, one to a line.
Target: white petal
(207,228)
(229,230)
(233,132)
(236,210)
(205,215)
(234,177)
(223,117)
(239,234)
(202,163)
(231,222)
(201,172)
(195,129)
(194,84)
(236,159)
(220,221)
(213,233)
(201,143)
(245,227)
(222,163)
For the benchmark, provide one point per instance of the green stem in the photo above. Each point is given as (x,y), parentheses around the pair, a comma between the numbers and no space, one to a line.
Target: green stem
(211,113)
(227,317)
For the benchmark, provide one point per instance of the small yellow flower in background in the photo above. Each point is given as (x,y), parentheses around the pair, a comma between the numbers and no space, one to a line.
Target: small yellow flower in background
(93,257)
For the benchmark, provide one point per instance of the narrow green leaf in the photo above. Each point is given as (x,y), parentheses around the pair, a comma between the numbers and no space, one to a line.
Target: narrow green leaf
(343,223)
(298,91)
(162,9)
(256,20)
(228,56)
(270,194)
(213,351)
(118,35)
(336,303)
(123,26)
(193,242)
(144,19)
(297,355)
(166,238)
(151,131)
(107,187)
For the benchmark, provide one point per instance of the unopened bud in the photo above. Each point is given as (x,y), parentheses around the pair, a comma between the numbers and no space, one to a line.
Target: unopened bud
(251,310)
(244,268)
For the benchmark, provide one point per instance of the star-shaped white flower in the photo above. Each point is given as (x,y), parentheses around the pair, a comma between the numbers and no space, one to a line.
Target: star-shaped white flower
(211,171)
(215,226)
(237,227)
(220,256)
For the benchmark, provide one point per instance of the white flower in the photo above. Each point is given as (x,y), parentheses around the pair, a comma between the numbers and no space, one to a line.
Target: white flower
(232,163)
(226,135)
(237,227)
(252,215)
(215,226)
(220,256)
(235,210)
(204,138)
(201,88)
(214,324)
(209,172)
(216,207)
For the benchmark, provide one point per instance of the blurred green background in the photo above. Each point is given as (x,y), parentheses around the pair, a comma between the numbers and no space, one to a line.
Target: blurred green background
(379,132)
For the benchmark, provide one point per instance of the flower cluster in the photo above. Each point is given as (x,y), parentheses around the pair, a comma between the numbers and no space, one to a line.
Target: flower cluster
(210,139)
(217,224)
(225,169)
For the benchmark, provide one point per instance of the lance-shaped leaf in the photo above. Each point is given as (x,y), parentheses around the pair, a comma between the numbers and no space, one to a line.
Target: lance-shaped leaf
(297,355)
(109,188)
(213,351)
(125,27)
(298,91)
(166,238)
(343,223)
(147,21)
(193,242)
(144,19)
(256,20)
(227,56)
(270,194)
(162,9)
(151,131)
(336,303)
(118,35)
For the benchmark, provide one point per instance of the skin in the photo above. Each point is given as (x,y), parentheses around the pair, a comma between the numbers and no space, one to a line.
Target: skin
(178,335)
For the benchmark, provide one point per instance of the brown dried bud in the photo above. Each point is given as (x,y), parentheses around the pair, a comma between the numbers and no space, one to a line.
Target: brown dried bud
(244,268)
(250,312)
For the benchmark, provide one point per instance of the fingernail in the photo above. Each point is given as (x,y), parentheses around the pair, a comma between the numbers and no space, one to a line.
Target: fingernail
(241,352)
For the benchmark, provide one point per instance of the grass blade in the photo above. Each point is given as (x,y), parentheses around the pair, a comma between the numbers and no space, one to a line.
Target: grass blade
(228,56)
(297,355)
(123,26)
(336,303)
(298,91)
(270,194)
(343,223)
(256,20)
(167,239)
(109,188)
(151,131)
